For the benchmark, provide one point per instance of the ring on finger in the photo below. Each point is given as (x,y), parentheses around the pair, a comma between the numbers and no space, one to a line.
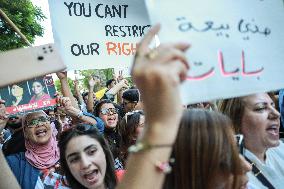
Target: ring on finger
(152,54)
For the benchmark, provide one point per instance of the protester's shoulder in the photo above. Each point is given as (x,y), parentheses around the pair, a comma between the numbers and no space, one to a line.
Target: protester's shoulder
(16,157)
(100,123)
(279,150)
(281,92)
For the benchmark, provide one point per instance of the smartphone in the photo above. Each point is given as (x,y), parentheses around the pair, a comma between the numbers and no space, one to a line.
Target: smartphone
(26,63)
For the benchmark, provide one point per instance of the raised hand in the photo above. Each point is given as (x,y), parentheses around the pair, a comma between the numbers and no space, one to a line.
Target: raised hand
(61,75)
(3,115)
(158,73)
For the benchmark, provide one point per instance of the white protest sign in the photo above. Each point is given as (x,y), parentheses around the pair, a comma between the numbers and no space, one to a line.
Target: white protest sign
(237,46)
(98,34)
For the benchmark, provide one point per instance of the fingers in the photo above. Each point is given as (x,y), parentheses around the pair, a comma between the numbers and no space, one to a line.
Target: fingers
(172,52)
(143,47)
(3,114)
(63,101)
(2,101)
(179,71)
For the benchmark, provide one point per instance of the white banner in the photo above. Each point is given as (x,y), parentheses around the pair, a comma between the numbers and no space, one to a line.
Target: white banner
(97,34)
(237,46)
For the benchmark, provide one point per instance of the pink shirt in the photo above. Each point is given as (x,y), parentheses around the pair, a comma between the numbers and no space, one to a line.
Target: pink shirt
(43,97)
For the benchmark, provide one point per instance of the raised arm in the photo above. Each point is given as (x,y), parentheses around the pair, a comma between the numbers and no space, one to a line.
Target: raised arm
(77,91)
(66,106)
(157,74)
(122,84)
(90,102)
(7,178)
(65,89)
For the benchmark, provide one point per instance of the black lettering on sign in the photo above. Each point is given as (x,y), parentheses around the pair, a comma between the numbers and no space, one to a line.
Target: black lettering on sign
(111,11)
(91,49)
(123,31)
(79,9)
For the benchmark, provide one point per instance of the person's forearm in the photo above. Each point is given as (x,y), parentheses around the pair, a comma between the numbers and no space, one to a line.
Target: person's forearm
(74,112)
(116,88)
(7,178)
(66,92)
(90,101)
(78,94)
(80,99)
(119,97)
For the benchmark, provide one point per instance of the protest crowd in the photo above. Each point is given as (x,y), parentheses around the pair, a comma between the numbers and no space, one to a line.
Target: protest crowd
(140,135)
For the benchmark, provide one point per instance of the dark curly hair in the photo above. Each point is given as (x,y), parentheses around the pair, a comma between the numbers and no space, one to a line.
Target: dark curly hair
(91,131)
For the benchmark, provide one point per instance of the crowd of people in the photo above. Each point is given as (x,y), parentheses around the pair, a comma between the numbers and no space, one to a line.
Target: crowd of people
(142,136)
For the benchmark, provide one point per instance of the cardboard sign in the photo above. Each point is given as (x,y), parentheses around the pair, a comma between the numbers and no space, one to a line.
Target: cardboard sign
(97,34)
(237,46)
(28,96)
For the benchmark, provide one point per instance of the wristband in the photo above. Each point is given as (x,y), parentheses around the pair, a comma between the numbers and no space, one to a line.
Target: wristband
(142,146)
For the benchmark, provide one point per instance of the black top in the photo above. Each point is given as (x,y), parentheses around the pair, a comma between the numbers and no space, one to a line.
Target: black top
(15,144)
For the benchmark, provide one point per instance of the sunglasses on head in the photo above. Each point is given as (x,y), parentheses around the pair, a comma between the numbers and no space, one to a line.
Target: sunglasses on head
(107,111)
(84,127)
(240,143)
(34,122)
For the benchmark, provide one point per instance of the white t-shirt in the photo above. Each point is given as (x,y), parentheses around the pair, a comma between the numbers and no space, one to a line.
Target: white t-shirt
(272,169)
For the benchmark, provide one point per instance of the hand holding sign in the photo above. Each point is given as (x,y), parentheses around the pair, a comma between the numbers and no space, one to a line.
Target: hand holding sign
(3,115)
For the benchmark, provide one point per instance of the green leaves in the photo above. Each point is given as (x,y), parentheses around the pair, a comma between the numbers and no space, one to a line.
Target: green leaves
(26,17)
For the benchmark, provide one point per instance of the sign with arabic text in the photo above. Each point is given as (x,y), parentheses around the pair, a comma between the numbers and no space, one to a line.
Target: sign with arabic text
(98,34)
(236,46)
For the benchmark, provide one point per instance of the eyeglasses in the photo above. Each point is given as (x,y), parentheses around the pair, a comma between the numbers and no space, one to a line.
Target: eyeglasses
(34,122)
(240,143)
(107,111)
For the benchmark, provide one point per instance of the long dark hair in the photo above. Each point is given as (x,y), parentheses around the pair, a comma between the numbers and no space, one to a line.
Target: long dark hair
(127,130)
(91,131)
(204,148)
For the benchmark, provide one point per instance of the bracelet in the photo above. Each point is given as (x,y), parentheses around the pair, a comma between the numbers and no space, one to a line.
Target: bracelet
(142,146)
(164,167)
(80,114)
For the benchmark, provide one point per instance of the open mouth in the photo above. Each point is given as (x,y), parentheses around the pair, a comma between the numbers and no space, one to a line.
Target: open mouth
(111,119)
(92,176)
(41,132)
(273,130)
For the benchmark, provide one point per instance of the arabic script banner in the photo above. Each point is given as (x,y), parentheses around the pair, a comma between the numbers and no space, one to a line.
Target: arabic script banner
(237,46)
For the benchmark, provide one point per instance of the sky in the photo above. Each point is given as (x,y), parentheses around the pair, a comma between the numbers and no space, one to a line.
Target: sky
(47,37)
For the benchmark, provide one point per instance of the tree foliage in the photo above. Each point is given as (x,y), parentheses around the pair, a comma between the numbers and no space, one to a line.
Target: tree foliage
(26,17)
(103,74)
(58,85)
